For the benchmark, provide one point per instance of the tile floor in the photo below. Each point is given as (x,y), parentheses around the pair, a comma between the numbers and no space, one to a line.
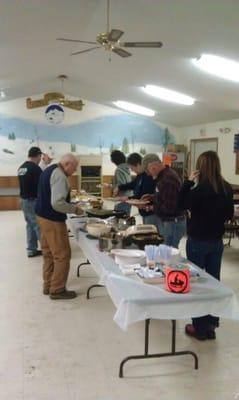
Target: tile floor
(71,350)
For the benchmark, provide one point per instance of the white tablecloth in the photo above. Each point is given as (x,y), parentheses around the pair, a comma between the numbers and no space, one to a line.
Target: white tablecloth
(136,301)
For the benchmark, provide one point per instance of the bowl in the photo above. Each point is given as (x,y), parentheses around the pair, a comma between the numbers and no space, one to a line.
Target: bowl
(97,229)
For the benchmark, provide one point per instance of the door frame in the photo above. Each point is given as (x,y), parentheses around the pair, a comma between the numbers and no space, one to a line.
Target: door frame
(192,148)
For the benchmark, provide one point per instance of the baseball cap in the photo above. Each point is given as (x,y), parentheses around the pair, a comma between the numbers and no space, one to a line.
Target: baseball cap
(149,158)
(34,152)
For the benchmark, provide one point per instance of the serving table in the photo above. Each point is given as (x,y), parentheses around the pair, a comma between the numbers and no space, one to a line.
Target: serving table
(137,301)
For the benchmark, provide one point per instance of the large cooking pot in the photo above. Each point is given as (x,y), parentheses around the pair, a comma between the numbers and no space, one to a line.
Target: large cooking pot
(109,241)
(105,213)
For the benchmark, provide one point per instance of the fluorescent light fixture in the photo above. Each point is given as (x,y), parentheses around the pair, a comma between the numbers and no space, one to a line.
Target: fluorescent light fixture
(134,108)
(168,95)
(2,94)
(219,66)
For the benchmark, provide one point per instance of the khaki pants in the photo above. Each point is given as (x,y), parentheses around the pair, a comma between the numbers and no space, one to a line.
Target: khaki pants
(56,254)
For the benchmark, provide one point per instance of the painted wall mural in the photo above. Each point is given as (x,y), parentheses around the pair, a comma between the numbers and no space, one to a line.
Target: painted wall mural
(99,135)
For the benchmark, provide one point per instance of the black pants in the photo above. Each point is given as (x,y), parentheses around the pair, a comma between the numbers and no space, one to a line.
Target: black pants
(206,254)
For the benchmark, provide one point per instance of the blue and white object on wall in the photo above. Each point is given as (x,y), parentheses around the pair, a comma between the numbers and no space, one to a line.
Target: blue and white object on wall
(236,142)
(54,113)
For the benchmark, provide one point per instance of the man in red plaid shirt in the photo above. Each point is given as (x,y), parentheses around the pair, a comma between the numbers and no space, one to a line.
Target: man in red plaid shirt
(171,222)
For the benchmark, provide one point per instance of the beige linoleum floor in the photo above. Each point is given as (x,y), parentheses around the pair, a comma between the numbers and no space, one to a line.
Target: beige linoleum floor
(71,350)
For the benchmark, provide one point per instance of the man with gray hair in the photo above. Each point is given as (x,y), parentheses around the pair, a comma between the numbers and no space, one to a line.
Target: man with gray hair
(171,221)
(53,203)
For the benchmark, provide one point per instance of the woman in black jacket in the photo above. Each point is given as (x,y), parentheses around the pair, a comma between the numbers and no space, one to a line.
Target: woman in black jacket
(209,199)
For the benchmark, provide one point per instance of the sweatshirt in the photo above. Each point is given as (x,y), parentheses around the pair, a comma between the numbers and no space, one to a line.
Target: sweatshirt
(208,210)
(122,176)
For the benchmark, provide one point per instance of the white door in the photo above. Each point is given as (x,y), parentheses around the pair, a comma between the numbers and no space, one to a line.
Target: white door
(199,146)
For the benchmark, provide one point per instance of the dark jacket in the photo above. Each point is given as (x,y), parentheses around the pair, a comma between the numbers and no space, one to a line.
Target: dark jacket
(29,174)
(167,189)
(209,210)
(44,207)
(142,184)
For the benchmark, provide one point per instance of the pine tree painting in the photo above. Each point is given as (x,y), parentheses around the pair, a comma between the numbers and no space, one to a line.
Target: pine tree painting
(125,146)
(12,136)
(166,139)
(73,147)
(112,147)
(142,151)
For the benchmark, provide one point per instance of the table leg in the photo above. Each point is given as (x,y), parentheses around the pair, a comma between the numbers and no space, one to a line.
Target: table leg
(147,355)
(87,262)
(91,287)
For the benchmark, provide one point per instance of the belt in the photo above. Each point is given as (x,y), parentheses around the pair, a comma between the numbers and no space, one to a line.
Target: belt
(173,219)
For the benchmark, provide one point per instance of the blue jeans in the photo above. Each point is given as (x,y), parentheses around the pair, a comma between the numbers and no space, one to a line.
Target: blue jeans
(206,254)
(150,219)
(172,231)
(32,228)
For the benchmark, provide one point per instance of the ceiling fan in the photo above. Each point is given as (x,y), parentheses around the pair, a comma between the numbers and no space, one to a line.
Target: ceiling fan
(55,97)
(110,41)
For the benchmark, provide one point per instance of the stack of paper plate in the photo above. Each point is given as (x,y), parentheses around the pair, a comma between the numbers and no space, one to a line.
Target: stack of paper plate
(129,256)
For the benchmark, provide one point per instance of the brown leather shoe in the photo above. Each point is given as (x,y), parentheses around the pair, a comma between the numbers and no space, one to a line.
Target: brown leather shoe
(191,331)
(65,295)
(46,291)
(34,254)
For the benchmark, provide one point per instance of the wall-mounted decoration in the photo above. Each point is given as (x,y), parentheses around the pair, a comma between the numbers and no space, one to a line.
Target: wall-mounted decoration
(12,136)
(142,151)
(90,135)
(73,148)
(166,139)
(236,143)
(125,146)
(54,114)
(7,151)
(225,130)
(237,163)
(203,132)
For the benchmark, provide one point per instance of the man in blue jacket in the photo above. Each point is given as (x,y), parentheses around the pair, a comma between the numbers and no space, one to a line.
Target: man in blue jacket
(53,203)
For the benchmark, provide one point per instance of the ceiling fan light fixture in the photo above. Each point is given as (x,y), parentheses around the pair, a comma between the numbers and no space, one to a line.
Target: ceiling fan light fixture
(135,108)
(168,95)
(219,66)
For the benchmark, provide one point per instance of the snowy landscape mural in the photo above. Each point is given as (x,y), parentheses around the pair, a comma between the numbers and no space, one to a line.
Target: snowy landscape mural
(92,135)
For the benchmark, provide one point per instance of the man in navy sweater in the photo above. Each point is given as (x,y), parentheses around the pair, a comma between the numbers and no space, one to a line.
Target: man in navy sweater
(53,203)
(141,184)
(29,174)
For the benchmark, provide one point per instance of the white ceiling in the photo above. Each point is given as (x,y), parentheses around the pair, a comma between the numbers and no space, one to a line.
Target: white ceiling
(31,58)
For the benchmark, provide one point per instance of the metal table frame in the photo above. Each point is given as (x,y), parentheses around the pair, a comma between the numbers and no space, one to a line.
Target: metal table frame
(87,262)
(158,355)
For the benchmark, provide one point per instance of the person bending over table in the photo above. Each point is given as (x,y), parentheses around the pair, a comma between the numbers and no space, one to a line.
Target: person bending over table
(209,199)
(171,222)
(53,203)
(141,184)
(121,176)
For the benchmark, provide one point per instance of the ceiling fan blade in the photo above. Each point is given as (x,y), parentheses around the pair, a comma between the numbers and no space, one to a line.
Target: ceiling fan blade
(75,40)
(114,35)
(85,51)
(142,44)
(121,52)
